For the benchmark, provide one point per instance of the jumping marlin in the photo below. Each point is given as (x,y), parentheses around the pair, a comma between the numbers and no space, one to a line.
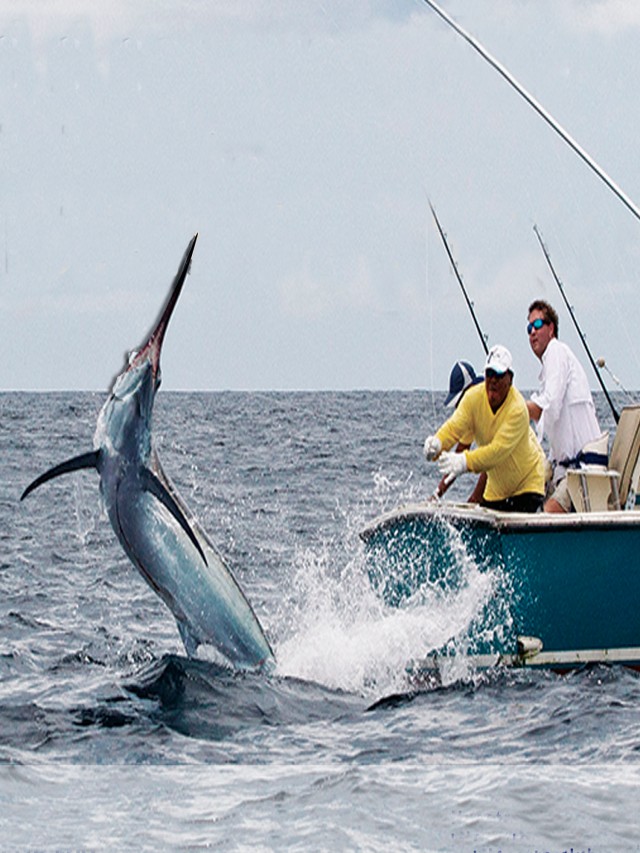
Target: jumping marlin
(160,535)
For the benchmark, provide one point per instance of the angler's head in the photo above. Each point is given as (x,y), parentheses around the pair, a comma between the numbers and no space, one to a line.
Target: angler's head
(542,325)
(127,413)
(498,375)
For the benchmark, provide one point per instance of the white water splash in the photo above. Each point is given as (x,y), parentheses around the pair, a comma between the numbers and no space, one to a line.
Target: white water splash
(341,635)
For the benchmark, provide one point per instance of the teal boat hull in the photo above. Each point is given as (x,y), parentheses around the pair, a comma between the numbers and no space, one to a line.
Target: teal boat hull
(568,590)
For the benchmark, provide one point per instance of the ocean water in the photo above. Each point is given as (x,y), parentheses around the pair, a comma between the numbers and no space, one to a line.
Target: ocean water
(110,738)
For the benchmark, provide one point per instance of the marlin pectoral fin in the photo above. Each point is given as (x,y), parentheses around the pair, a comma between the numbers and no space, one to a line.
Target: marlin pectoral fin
(85,460)
(153,485)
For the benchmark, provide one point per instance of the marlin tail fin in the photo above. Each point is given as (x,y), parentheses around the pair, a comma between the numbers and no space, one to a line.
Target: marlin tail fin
(85,460)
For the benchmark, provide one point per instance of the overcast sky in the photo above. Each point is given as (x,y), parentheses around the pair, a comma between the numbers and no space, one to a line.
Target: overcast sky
(302,139)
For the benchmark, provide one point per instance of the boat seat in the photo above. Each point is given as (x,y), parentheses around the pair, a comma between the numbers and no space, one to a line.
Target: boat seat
(598,489)
(625,451)
(594,490)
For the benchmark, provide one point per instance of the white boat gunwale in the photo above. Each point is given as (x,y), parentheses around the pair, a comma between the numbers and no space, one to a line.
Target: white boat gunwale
(505,522)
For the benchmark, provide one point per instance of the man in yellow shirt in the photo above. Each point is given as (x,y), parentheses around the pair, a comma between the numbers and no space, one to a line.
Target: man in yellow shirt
(496,415)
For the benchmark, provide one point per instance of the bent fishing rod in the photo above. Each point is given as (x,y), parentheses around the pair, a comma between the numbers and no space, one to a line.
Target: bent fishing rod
(551,121)
(483,337)
(575,323)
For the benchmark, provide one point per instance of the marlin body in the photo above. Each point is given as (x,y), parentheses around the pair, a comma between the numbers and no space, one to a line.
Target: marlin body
(159,534)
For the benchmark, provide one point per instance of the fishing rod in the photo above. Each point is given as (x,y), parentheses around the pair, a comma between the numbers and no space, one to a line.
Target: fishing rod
(484,53)
(483,337)
(444,484)
(575,323)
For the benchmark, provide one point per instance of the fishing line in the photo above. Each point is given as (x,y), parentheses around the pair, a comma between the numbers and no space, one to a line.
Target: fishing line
(511,80)
(569,255)
(575,323)
(614,301)
(429,319)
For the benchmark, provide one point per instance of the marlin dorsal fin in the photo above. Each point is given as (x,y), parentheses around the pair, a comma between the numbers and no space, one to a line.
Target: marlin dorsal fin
(154,486)
(85,460)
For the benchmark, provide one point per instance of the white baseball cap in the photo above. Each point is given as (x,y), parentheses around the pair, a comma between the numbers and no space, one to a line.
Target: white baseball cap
(499,359)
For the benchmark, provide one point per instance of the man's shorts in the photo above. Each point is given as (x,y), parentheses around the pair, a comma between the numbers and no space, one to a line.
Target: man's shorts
(560,492)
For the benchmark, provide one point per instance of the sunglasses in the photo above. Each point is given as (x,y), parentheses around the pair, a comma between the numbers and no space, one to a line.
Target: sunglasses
(538,323)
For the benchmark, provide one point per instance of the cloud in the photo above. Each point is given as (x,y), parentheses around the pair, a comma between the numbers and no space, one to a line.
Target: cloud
(308,294)
(118,18)
(303,295)
(49,19)
(61,302)
(73,26)
(605,17)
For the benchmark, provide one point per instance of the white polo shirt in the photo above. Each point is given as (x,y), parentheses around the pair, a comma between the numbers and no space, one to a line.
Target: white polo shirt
(568,414)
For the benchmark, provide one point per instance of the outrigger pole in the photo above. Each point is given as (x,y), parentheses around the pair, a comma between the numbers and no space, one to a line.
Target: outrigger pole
(575,323)
(483,337)
(475,44)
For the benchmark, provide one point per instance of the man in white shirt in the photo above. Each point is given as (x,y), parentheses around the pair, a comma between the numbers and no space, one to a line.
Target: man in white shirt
(563,406)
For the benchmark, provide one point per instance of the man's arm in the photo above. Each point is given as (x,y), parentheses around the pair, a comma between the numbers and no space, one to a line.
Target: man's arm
(550,398)
(535,412)
(443,485)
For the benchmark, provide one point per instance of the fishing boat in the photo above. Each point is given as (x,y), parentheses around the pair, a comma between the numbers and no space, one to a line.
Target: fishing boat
(566,588)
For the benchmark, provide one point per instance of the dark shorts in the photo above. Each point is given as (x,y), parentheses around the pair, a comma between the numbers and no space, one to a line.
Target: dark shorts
(527,502)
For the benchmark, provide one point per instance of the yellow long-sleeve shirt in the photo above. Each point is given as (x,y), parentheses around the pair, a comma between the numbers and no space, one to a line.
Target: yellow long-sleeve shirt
(507,448)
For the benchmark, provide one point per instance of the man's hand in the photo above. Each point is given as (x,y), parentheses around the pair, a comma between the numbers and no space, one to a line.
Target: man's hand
(432,447)
(451,465)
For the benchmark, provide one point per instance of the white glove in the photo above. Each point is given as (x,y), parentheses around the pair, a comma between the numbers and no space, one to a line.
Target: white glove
(451,465)
(432,447)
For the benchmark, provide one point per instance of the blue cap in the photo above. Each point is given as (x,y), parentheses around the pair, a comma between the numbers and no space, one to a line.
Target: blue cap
(462,376)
